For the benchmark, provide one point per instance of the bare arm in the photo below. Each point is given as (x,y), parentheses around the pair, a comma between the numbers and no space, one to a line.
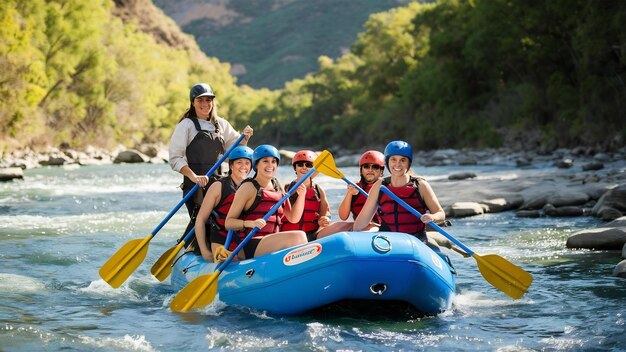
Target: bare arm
(346,203)
(244,197)
(369,208)
(437,214)
(293,212)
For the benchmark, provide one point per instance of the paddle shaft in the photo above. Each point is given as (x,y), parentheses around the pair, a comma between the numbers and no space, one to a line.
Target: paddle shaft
(229,237)
(267,216)
(431,224)
(195,188)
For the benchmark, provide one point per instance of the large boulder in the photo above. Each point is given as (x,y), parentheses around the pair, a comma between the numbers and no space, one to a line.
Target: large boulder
(497,205)
(611,203)
(620,269)
(463,209)
(610,236)
(10,173)
(131,156)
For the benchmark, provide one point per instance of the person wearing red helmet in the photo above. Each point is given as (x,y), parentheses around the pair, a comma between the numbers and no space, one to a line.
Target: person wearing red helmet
(371,168)
(316,210)
(414,190)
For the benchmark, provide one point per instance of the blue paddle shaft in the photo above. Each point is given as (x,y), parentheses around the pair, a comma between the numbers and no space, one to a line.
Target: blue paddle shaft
(195,188)
(431,224)
(229,237)
(267,216)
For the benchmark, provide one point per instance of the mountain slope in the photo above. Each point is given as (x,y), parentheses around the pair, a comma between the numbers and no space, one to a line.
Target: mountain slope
(271,42)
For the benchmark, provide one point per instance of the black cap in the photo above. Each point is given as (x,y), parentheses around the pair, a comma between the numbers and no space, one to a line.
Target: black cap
(200,90)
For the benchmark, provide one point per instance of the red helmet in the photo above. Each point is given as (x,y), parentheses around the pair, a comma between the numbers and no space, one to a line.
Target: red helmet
(304,155)
(372,157)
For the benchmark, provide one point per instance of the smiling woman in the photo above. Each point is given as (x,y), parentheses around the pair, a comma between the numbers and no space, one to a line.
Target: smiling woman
(255,197)
(197,142)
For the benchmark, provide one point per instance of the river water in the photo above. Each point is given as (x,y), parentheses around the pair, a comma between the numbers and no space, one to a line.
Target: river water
(59,225)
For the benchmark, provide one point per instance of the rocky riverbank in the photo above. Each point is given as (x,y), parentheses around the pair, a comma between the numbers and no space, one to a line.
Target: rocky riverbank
(564,182)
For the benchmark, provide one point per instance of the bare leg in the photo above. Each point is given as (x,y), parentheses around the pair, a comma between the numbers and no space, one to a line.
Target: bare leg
(280,240)
(335,227)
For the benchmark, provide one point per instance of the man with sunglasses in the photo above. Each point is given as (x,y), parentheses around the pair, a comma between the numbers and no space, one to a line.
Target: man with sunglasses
(372,165)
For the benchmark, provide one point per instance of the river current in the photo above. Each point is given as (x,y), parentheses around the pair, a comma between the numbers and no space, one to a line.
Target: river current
(60,224)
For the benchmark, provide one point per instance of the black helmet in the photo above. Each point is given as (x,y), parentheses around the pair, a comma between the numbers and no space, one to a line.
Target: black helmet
(200,90)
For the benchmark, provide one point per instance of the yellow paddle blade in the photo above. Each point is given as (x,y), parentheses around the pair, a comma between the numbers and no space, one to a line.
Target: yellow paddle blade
(198,293)
(325,163)
(163,266)
(504,275)
(119,267)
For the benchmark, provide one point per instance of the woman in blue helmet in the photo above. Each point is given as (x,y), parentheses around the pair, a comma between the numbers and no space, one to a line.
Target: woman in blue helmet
(210,223)
(414,190)
(200,137)
(253,200)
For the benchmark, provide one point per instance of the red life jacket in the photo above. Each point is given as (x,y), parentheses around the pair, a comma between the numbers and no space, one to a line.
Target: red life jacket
(218,216)
(311,214)
(265,200)
(358,201)
(395,217)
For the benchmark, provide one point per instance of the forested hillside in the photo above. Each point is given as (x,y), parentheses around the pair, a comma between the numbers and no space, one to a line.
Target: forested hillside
(83,72)
(467,74)
(448,74)
(270,42)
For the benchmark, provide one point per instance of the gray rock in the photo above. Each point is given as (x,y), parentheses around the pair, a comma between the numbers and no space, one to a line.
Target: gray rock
(564,164)
(567,198)
(131,156)
(462,209)
(608,213)
(551,210)
(609,236)
(620,269)
(593,166)
(538,202)
(497,205)
(57,160)
(11,173)
(528,213)
(614,198)
(461,176)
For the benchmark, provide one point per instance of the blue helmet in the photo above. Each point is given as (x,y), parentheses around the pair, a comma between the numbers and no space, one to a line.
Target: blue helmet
(398,148)
(240,152)
(262,151)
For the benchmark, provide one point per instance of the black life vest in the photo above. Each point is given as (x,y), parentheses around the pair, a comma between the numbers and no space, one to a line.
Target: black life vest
(203,152)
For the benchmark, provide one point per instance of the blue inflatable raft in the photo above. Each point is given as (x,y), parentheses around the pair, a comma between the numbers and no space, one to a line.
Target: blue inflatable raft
(361,266)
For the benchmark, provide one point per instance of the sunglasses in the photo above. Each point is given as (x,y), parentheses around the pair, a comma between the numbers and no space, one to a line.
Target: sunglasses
(372,166)
(304,163)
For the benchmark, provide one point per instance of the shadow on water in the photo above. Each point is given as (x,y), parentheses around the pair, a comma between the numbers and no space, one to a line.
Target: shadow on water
(366,311)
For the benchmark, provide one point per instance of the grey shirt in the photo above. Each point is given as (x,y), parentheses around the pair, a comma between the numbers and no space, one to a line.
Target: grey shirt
(185,132)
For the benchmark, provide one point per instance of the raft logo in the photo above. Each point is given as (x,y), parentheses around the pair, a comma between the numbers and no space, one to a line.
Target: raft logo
(302,254)
(436,260)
